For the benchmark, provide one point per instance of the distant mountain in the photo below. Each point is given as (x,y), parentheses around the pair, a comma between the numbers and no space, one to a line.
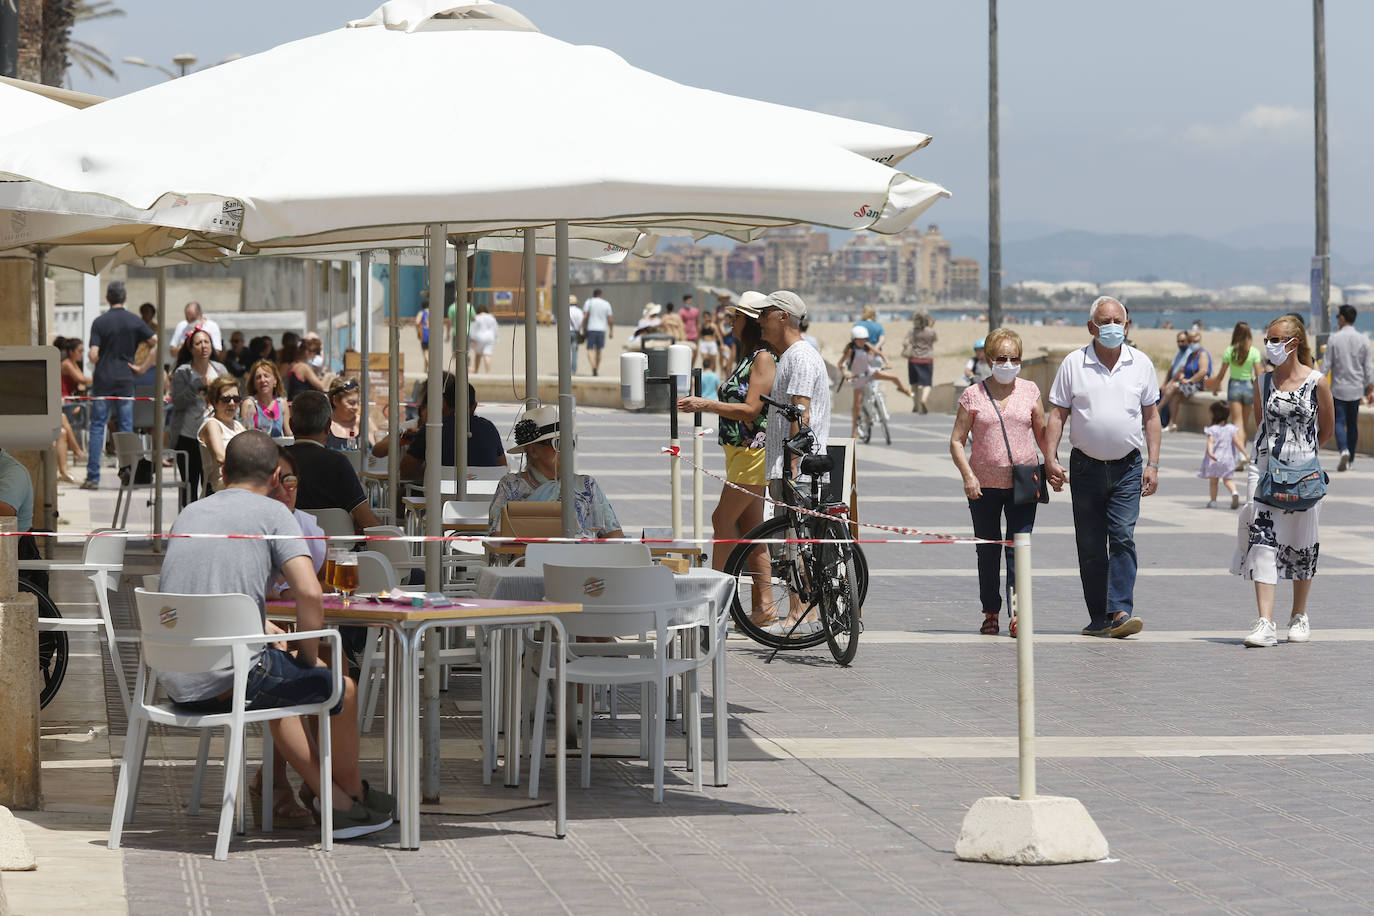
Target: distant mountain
(1100,258)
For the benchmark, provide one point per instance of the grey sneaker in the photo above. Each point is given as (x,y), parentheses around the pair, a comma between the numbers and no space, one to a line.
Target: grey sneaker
(89,484)
(1262,634)
(1098,629)
(358,821)
(1344,462)
(1299,630)
(1126,625)
(378,802)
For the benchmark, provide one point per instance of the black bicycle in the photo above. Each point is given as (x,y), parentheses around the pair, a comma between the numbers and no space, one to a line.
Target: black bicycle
(53,649)
(808,590)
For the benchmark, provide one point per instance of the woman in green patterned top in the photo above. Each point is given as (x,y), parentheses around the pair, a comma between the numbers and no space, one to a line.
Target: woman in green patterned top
(741,412)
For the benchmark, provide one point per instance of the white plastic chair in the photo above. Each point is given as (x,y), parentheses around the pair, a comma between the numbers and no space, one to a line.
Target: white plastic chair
(103,558)
(539,555)
(335,523)
(626,601)
(193,634)
(129,450)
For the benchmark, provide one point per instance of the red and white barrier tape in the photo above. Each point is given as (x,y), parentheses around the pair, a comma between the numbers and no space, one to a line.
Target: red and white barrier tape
(108,397)
(488,539)
(926,537)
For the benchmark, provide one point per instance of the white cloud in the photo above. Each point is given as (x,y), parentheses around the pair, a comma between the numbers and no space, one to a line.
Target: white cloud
(1271,124)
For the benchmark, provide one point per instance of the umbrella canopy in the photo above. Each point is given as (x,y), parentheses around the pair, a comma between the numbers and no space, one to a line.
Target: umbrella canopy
(555,132)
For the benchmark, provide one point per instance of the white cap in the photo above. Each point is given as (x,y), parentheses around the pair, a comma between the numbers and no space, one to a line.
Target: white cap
(859,332)
(748,303)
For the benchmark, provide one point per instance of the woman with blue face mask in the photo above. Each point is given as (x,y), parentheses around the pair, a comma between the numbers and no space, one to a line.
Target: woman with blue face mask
(1001,402)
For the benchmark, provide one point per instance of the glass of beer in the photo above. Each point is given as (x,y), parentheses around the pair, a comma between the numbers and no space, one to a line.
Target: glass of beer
(328,572)
(346,574)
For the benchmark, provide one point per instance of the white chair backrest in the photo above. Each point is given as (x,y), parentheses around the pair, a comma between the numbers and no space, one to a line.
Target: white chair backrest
(356,457)
(487,473)
(150,582)
(211,479)
(537,555)
(466,510)
(128,449)
(171,623)
(106,550)
(616,600)
(397,553)
(375,574)
(334,522)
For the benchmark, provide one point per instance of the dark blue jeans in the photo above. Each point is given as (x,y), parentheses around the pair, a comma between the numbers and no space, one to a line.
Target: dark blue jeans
(278,679)
(1347,424)
(987,513)
(100,415)
(1106,504)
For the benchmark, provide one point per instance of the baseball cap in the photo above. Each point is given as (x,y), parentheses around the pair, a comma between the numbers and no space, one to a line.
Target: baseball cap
(748,303)
(787,301)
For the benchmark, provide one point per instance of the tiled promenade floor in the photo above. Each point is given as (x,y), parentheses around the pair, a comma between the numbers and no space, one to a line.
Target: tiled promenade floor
(1225,779)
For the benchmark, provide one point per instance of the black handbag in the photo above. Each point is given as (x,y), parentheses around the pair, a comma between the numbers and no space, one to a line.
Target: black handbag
(1028,483)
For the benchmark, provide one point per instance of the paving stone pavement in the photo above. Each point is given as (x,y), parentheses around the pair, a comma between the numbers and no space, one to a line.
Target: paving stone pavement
(1225,780)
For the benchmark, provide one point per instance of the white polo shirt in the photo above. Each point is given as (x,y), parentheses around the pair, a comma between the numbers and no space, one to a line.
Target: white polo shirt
(1104,404)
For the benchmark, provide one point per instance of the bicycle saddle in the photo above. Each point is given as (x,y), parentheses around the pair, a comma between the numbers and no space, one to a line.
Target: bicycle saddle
(817,464)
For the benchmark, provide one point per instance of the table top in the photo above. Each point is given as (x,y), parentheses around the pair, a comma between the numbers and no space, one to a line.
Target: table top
(460,609)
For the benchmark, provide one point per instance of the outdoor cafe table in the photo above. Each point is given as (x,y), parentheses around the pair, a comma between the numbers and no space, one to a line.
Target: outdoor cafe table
(505,583)
(407,626)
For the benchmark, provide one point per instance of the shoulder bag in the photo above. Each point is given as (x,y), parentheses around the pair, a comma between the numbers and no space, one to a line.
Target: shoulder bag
(1288,485)
(1028,483)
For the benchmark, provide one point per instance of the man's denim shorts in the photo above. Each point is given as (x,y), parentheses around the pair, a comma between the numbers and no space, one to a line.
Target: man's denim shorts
(596,340)
(278,679)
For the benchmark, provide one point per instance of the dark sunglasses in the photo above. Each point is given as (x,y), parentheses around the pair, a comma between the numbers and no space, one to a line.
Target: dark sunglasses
(290,481)
(1277,340)
(350,385)
(231,398)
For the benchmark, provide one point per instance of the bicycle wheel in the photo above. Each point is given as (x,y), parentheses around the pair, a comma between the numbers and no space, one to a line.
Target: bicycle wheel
(881,411)
(839,606)
(865,429)
(861,569)
(52,646)
(764,577)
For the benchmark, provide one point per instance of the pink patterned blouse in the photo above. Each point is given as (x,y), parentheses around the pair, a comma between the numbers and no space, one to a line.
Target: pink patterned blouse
(988,457)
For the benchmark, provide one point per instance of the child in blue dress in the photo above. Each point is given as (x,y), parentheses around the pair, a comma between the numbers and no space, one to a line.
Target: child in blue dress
(1224,442)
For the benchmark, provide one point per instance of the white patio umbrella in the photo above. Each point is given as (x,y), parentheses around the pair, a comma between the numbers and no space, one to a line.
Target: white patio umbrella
(520,130)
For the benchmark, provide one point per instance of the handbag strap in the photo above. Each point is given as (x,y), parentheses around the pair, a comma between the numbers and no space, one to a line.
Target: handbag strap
(1010,457)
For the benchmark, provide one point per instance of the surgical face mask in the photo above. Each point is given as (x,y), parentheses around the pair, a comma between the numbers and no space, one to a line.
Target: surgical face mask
(1005,372)
(1111,336)
(1277,352)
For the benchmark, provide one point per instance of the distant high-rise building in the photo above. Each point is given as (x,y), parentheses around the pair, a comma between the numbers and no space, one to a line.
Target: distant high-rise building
(965,278)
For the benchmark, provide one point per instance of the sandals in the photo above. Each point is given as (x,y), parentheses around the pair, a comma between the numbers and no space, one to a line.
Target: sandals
(285,812)
(990,625)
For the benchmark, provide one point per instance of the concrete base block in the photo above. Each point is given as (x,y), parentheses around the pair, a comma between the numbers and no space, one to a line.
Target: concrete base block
(15,854)
(20,764)
(1046,830)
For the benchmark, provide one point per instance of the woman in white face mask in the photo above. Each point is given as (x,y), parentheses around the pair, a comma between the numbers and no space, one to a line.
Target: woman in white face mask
(1001,404)
(1295,415)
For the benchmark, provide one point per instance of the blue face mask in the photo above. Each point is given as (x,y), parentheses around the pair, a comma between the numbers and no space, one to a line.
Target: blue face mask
(1111,336)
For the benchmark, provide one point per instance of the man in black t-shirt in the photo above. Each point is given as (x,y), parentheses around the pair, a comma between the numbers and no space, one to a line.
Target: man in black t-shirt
(115,337)
(484,441)
(327,477)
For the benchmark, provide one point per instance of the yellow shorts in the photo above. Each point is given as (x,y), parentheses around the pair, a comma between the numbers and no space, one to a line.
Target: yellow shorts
(744,466)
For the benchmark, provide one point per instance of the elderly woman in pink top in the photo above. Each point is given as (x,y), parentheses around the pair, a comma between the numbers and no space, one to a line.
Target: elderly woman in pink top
(986,409)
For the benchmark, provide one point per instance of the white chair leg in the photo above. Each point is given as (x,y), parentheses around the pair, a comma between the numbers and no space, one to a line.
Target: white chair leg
(694,728)
(142,740)
(645,696)
(538,727)
(233,761)
(113,648)
(268,778)
(586,736)
(720,722)
(124,791)
(660,737)
(327,785)
(198,781)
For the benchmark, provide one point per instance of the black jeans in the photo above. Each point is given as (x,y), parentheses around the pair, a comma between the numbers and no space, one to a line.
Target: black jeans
(987,512)
(190,468)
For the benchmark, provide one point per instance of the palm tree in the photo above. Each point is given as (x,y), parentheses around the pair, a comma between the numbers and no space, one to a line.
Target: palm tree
(60,50)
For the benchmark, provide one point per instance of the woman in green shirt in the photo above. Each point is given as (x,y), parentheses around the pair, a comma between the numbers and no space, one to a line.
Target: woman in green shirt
(1242,361)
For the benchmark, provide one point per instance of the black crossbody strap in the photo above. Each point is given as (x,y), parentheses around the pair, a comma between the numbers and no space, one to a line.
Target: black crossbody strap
(1010,457)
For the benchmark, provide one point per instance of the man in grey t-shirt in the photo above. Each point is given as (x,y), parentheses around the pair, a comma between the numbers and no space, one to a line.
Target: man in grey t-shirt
(800,378)
(210,566)
(1352,378)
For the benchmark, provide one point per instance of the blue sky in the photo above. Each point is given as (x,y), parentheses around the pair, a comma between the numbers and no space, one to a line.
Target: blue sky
(1159,117)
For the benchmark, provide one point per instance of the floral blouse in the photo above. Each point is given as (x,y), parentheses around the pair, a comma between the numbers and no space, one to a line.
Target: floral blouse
(595,517)
(735,390)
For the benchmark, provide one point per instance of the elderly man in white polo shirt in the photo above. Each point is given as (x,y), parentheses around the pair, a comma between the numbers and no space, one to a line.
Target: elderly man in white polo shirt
(1109,394)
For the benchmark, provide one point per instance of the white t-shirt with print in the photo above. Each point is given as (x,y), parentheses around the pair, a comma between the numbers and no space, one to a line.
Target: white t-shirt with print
(800,371)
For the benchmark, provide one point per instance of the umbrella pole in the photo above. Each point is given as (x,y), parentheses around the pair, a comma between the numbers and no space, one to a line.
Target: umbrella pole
(567,463)
(365,344)
(159,408)
(531,303)
(329,313)
(460,365)
(393,398)
(40,273)
(434,514)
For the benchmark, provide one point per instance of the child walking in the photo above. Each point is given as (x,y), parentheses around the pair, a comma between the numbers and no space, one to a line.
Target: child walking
(1224,442)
